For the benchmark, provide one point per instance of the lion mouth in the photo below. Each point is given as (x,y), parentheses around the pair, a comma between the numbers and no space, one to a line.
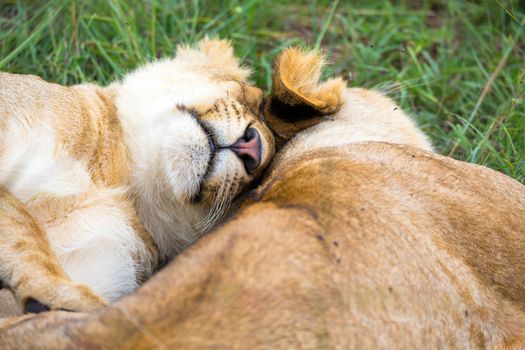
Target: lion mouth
(212,144)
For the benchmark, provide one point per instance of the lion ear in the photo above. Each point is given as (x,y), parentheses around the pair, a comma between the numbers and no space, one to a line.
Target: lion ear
(298,100)
(217,57)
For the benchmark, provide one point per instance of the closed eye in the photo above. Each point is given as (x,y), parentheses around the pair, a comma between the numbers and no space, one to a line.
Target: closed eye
(261,109)
(255,110)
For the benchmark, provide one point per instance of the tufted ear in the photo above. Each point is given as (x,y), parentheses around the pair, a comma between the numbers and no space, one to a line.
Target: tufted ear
(298,100)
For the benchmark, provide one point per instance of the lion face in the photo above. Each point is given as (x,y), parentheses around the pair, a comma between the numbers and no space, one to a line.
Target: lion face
(192,125)
(209,157)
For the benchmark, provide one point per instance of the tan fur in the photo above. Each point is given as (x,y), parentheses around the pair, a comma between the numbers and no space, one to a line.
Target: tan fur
(295,85)
(362,245)
(83,136)
(31,267)
(298,74)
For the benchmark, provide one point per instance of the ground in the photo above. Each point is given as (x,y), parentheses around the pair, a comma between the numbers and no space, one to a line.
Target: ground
(458,67)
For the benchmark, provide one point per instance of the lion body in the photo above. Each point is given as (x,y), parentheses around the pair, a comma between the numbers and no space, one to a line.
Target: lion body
(334,267)
(96,182)
(64,162)
(364,244)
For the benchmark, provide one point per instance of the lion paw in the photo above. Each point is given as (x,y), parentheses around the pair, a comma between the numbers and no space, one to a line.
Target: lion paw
(64,295)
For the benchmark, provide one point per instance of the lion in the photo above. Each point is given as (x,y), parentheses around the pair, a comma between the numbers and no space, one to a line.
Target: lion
(372,243)
(100,185)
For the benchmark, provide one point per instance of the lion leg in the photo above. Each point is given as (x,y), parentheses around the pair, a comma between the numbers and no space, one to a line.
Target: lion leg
(100,242)
(29,267)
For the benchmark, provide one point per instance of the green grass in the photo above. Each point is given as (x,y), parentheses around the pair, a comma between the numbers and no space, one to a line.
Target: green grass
(457,66)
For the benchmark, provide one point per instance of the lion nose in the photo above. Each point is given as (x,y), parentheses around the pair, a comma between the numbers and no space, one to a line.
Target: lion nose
(248,149)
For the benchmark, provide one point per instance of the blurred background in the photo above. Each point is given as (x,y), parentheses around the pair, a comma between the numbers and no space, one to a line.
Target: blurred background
(458,67)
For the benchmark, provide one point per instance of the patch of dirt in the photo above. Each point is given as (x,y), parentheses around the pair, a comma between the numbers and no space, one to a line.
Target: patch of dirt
(436,13)
(8,11)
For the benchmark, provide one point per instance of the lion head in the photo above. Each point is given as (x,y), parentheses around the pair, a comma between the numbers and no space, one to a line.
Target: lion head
(196,139)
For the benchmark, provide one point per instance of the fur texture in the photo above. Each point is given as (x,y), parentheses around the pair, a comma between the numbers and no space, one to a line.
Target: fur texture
(359,245)
(100,184)
(339,115)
